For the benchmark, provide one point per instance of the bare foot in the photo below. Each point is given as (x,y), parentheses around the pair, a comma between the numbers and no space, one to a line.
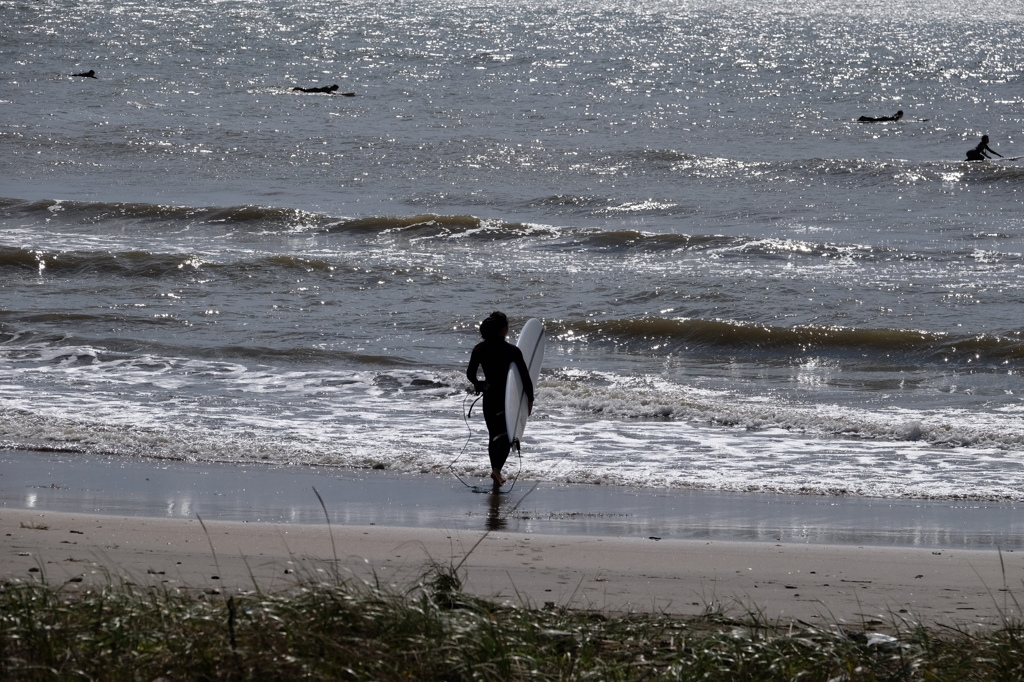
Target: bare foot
(497,478)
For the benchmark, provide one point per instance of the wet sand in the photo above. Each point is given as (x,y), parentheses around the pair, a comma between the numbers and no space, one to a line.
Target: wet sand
(859,562)
(227,492)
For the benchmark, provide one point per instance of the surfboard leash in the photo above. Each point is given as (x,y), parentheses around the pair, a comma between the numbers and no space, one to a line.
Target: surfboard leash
(519,454)
(469,436)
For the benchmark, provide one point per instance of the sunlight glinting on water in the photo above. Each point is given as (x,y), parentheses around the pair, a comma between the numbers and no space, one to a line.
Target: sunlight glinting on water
(745,288)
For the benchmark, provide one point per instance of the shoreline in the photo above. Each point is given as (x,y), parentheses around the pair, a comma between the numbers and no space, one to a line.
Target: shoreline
(203,527)
(75,483)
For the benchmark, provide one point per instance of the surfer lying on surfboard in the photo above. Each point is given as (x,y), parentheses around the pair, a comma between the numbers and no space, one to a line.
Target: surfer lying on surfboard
(881,119)
(494,354)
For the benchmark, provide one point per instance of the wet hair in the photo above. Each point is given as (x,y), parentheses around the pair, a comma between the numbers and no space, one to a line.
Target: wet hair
(493,326)
(984,138)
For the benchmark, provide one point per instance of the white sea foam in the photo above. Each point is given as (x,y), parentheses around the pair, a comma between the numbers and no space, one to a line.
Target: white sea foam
(745,287)
(587,428)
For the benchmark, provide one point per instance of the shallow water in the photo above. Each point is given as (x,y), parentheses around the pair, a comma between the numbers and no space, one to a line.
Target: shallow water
(744,288)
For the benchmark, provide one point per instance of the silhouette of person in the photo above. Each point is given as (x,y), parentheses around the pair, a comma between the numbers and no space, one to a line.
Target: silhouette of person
(88,74)
(495,355)
(869,119)
(978,153)
(329,89)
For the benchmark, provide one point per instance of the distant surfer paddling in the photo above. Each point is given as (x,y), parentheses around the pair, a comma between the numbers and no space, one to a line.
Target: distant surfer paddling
(880,119)
(979,152)
(91,73)
(495,355)
(328,89)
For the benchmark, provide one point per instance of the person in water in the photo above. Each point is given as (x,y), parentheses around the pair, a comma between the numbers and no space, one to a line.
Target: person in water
(329,89)
(869,119)
(978,153)
(494,354)
(88,74)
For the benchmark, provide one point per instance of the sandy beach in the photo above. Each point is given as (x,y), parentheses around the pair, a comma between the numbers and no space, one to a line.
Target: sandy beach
(614,550)
(862,586)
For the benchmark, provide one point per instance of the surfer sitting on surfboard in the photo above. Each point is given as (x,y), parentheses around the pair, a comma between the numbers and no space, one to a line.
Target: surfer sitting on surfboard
(978,153)
(495,355)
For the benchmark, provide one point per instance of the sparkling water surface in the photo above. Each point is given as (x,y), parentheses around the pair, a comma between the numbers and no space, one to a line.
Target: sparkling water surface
(745,289)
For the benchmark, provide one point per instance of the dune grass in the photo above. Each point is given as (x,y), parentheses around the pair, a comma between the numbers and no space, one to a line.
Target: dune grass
(341,629)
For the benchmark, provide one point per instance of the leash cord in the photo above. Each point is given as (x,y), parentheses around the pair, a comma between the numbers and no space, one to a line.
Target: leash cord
(469,437)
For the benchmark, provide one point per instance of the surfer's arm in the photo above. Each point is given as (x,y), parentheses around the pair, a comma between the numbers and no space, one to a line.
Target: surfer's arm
(474,365)
(986,150)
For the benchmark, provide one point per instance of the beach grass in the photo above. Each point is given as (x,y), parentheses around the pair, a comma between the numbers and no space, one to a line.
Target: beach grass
(342,628)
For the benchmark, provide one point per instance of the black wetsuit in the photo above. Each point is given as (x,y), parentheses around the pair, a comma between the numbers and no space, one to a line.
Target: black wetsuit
(880,119)
(329,89)
(496,356)
(978,153)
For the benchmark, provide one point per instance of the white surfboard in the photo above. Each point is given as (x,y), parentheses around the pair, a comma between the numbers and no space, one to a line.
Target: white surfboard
(531,343)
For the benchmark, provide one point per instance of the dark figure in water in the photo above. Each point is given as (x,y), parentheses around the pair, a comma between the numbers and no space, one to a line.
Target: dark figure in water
(88,74)
(329,89)
(495,354)
(868,119)
(978,153)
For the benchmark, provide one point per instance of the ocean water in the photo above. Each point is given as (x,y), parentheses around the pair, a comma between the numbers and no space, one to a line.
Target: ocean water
(744,288)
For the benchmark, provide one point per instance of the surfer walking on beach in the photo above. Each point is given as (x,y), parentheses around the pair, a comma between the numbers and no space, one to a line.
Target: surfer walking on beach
(979,152)
(495,355)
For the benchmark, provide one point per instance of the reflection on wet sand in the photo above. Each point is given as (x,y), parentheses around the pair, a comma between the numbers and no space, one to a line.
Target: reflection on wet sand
(495,520)
(62,482)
